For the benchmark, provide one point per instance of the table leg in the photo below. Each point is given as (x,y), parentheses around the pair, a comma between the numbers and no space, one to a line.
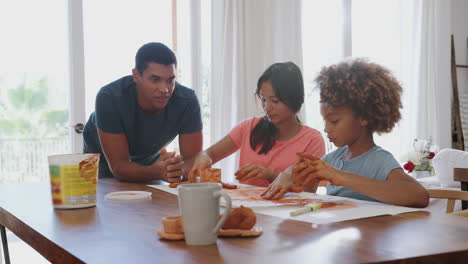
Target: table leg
(464,187)
(5,244)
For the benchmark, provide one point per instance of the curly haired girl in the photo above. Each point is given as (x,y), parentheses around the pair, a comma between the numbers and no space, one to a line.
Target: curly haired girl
(358,99)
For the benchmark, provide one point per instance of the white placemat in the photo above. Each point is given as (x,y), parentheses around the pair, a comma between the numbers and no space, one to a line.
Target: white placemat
(165,188)
(326,216)
(175,191)
(360,208)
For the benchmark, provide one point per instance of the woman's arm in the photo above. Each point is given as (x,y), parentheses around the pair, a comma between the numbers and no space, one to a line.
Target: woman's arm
(190,145)
(213,154)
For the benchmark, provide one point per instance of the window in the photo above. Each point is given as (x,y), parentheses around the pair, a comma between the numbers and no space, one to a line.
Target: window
(34,87)
(375,34)
(113,38)
(322,42)
(113,32)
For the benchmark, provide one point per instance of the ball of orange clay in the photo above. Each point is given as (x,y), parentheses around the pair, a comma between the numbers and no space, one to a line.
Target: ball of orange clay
(240,218)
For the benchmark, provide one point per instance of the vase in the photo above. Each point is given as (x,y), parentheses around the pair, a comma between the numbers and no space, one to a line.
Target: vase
(421,174)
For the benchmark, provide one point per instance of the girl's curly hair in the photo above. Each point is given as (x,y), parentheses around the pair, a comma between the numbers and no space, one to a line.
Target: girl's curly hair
(371,91)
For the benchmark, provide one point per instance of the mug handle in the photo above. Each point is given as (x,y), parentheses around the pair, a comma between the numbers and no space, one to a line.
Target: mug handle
(223,219)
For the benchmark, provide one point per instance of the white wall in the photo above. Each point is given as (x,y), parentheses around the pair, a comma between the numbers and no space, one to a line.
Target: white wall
(459,22)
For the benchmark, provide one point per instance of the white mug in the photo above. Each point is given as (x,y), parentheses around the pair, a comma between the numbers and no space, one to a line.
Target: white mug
(199,207)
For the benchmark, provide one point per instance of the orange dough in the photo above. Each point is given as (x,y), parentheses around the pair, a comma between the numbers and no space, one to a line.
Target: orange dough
(214,175)
(175,184)
(228,186)
(210,175)
(240,218)
(173,225)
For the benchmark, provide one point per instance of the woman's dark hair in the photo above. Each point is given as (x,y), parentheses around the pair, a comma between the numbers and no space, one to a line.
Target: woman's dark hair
(154,52)
(288,85)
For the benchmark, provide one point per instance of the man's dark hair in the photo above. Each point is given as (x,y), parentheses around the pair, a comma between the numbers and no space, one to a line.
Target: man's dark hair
(154,52)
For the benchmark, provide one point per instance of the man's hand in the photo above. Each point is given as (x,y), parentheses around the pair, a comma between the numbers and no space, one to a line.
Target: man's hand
(251,171)
(170,166)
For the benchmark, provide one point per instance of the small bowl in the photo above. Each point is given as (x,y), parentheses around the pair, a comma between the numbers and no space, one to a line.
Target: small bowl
(173,225)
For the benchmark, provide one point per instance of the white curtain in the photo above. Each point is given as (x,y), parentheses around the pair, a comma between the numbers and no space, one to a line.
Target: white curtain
(247,37)
(425,70)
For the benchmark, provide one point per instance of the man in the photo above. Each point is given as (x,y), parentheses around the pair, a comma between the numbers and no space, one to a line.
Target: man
(136,116)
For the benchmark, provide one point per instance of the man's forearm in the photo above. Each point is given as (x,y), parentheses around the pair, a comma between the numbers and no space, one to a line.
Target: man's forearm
(134,172)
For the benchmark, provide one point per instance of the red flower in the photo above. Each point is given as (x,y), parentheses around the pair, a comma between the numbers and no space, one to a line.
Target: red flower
(409,166)
(431,155)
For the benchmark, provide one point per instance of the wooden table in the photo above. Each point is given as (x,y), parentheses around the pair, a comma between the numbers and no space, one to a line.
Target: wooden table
(125,232)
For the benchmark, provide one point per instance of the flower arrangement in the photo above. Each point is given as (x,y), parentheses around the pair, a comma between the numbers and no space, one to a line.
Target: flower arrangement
(421,158)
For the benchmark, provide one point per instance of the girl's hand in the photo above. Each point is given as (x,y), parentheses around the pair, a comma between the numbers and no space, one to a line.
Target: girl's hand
(251,171)
(202,161)
(281,185)
(310,171)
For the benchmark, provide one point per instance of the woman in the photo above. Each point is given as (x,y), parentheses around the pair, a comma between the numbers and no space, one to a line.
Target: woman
(268,144)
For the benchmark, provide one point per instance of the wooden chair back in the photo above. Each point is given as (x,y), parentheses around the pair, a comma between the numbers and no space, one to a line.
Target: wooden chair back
(450,195)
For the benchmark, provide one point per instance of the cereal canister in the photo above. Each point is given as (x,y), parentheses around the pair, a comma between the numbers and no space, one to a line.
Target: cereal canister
(73,180)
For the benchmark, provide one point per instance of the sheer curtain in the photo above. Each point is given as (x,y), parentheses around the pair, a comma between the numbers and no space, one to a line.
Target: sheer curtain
(247,36)
(425,71)
(325,40)
(410,37)
(435,81)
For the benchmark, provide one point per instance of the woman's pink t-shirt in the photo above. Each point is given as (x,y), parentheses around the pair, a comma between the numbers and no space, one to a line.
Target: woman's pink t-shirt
(283,153)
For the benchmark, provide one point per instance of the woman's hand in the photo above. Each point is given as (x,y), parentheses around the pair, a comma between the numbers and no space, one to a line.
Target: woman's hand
(202,161)
(251,171)
(281,185)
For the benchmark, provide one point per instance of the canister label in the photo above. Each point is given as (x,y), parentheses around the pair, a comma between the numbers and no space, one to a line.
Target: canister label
(74,184)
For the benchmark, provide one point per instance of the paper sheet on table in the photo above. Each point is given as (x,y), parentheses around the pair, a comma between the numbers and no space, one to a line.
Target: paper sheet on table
(325,216)
(249,196)
(165,188)
(175,191)
(342,208)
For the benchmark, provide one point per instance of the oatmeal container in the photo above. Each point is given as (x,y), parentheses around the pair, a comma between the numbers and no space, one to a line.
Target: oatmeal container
(73,180)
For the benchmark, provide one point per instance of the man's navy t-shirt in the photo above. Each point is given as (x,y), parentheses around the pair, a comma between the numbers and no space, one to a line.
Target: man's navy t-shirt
(117,111)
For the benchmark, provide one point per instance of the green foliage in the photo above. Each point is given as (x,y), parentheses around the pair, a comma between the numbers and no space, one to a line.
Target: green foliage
(15,126)
(25,98)
(53,120)
(24,112)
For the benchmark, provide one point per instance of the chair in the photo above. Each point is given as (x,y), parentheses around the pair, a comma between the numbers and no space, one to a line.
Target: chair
(450,195)
(461,213)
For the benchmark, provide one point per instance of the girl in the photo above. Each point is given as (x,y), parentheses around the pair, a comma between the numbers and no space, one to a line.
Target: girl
(357,100)
(268,144)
